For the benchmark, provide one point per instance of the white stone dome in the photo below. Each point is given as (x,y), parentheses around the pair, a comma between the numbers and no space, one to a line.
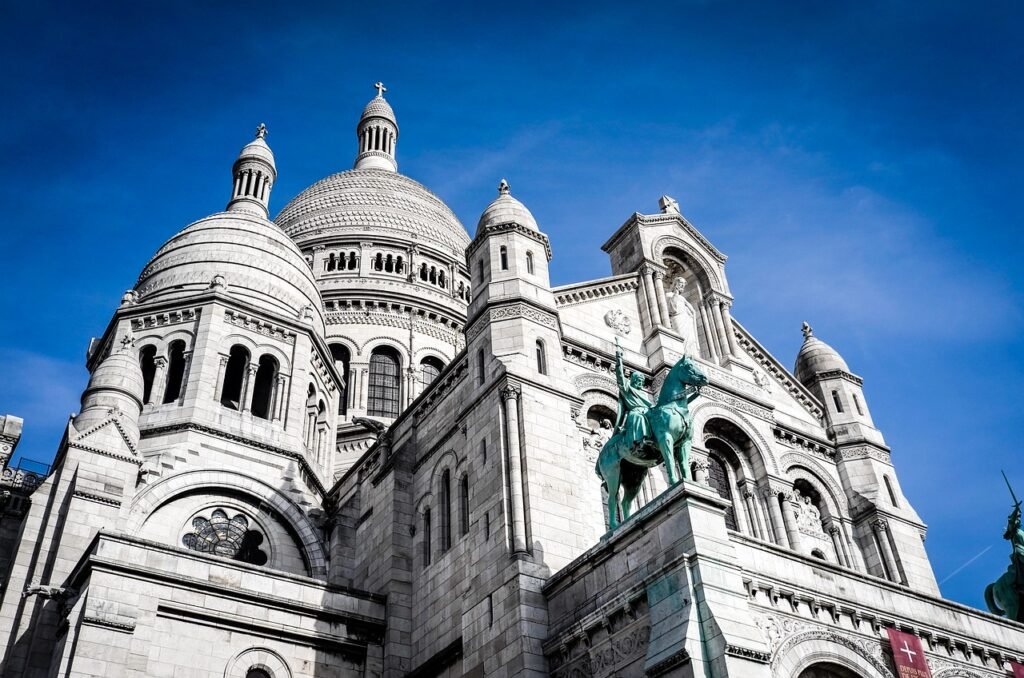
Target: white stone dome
(373,201)
(257,149)
(379,108)
(506,210)
(815,357)
(246,255)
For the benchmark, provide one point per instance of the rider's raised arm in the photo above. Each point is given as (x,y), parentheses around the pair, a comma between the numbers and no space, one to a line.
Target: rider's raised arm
(620,374)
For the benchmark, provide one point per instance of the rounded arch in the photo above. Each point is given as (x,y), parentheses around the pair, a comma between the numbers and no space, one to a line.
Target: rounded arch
(376,343)
(351,346)
(760,450)
(671,246)
(259,659)
(804,650)
(801,468)
(256,349)
(144,504)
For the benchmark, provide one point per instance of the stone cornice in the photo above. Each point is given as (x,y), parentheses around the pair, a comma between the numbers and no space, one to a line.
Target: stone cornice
(781,375)
(509,227)
(660,219)
(583,292)
(840,374)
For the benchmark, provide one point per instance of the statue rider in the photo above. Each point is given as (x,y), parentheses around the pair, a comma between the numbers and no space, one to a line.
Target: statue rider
(631,422)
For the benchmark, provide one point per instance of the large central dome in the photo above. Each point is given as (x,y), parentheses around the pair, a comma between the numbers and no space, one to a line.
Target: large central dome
(361,201)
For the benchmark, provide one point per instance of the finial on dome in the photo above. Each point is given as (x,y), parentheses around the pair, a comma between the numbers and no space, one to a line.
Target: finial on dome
(807,330)
(504,188)
(668,205)
(254,173)
(377,132)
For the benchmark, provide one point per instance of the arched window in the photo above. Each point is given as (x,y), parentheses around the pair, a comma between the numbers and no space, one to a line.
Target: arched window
(389,264)
(424,272)
(426,536)
(342,357)
(441,279)
(856,403)
(430,367)
(257,673)
(481,367)
(835,399)
(464,506)
(309,423)
(503,254)
(320,443)
(234,375)
(446,510)
(263,387)
(175,371)
(718,478)
(353,261)
(542,359)
(382,400)
(147,361)
(892,492)
(529,263)
(819,554)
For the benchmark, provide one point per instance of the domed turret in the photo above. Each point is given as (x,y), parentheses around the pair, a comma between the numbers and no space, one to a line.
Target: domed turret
(378,134)
(115,386)
(816,357)
(254,174)
(239,252)
(506,210)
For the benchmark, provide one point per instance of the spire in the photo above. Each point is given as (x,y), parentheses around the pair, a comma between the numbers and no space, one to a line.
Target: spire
(377,133)
(254,174)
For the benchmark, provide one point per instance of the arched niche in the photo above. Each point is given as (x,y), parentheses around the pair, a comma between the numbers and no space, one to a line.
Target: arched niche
(820,647)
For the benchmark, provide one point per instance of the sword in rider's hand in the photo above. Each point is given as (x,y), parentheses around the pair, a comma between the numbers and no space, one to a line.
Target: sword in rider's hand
(1016,502)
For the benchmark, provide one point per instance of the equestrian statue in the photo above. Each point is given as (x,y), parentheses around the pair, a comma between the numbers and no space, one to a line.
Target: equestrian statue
(647,434)
(1005,596)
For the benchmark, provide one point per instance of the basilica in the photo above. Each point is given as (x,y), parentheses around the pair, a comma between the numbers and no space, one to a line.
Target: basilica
(360,440)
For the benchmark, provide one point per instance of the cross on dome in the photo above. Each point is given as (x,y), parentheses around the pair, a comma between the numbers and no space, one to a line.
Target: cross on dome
(380,89)
(503,188)
(807,330)
(261,131)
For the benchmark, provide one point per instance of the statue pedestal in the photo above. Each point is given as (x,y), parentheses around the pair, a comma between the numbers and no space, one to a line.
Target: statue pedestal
(666,586)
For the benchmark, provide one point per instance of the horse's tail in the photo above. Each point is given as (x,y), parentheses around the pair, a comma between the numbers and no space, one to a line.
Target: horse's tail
(990,600)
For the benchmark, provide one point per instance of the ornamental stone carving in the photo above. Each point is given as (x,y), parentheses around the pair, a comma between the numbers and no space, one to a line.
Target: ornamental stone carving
(618,321)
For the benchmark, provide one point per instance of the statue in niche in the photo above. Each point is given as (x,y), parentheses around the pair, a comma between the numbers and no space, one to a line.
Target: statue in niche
(1005,595)
(682,315)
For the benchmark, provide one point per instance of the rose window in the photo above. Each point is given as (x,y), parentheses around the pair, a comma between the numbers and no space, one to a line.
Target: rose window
(227,538)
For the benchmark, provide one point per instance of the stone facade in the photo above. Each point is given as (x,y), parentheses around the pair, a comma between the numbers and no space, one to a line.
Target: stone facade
(356,441)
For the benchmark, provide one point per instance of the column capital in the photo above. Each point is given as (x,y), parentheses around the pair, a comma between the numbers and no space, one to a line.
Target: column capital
(253,368)
(511,392)
(880,524)
(319,248)
(834,529)
(160,361)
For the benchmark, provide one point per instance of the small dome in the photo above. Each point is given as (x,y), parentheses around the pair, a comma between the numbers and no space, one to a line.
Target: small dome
(815,357)
(257,149)
(379,108)
(243,254)
(506,210)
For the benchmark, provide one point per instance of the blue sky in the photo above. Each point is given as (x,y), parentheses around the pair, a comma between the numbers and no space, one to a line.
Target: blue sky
(858,162)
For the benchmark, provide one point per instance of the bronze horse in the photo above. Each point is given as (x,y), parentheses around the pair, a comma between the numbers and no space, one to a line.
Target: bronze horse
(623,463)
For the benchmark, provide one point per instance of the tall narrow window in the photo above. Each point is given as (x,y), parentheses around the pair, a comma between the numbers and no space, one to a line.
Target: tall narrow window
(263,387)
(464,506)
(175,371)
(529,263)
(481,366)
(430,367)
(542,359)
(446,510)
(234,375)
(147,361)
(487,525)
(320,446)
(426,537)
(835,399)
(856,403)
(483,450)
(892,492)
(718,478)
(503,253)
(342,357)
(382,400)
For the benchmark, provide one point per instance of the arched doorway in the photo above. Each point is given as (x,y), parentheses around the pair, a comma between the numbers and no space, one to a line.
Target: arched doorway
(827,670)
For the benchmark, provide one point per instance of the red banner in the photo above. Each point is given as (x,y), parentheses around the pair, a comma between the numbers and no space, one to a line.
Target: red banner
(908,655)
(1018,669)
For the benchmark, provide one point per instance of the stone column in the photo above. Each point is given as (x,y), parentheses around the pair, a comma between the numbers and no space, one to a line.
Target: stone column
(247,387)
(218,385)
(790,509)
(280,396)
(709,333)
(156,393)
(659,293)
(652,302)
(716,315)
(771,496)
(727,320)
(318,261)
(755,519)
(510,394)
(853,552)
(186,369)
(881,530)
(833,532)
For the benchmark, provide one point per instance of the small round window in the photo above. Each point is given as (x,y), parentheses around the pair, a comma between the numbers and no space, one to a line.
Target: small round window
(226,537)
